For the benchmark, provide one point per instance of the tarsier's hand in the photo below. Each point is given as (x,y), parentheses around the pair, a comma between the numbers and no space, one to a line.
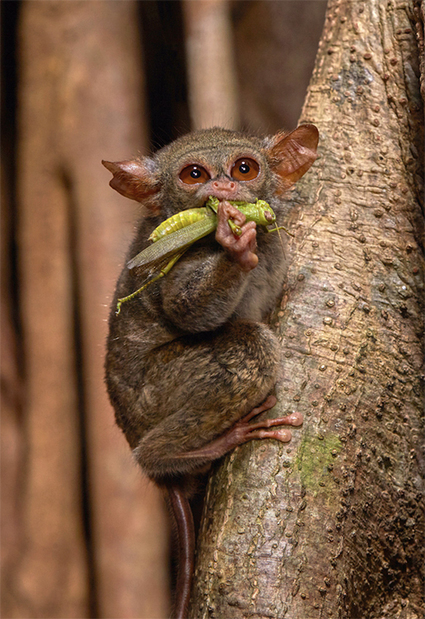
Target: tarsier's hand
(241,248)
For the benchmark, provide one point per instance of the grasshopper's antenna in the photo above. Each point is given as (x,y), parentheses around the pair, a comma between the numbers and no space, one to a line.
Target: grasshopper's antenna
(281,240)
(276,229)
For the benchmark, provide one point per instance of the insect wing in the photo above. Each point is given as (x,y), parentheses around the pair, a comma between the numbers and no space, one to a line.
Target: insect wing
(178,221)
(154,269)
(168,245)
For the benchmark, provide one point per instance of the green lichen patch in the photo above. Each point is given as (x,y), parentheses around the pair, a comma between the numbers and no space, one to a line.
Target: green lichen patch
(315,460)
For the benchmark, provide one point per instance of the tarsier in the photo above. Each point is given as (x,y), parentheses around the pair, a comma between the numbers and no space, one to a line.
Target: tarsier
(190,361)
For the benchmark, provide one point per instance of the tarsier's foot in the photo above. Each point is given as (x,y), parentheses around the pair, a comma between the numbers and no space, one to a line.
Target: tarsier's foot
(244,431)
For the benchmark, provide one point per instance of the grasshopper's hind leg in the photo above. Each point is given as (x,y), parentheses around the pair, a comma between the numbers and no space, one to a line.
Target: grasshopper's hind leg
(162,272)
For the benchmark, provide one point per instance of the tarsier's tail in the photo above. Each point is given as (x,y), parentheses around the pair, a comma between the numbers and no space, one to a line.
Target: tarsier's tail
(182,514)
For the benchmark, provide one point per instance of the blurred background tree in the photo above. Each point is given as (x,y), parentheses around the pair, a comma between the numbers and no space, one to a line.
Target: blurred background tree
(83,534)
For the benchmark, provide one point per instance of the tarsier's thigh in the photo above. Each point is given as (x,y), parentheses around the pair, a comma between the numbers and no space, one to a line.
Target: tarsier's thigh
(198,387)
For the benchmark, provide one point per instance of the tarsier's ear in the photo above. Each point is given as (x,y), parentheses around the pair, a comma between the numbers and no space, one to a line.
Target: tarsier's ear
(134,179)
(292,154)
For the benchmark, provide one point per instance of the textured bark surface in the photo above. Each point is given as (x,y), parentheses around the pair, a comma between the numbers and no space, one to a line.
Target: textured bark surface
(86,532)
(420,35)
(331,525)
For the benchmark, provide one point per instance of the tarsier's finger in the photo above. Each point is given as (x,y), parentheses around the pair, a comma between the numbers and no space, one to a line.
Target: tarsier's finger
(226,211)
(243,248)
(248,237)
(233,212)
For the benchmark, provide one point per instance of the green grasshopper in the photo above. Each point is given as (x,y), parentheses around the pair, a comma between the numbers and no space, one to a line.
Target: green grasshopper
(176,234)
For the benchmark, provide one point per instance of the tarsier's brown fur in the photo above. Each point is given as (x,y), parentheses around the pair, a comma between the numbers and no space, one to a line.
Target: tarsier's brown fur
(190,357)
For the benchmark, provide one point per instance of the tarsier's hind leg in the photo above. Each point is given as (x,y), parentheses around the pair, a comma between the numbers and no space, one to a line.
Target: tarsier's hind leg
(236,371)
(243,431)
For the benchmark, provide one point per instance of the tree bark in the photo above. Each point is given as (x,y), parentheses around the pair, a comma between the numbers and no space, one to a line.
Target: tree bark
(331,525)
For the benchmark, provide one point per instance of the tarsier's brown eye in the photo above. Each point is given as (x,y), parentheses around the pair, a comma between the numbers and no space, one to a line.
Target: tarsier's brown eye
(193,174)
(245,169)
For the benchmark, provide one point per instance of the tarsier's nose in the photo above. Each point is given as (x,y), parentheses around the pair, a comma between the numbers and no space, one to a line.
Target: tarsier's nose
(224,189)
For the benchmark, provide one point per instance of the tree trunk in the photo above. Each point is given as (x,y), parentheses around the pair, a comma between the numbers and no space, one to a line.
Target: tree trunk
(331,525)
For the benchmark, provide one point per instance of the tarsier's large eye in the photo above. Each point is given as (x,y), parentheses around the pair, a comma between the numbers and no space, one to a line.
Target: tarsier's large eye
(245,169)
(193,174)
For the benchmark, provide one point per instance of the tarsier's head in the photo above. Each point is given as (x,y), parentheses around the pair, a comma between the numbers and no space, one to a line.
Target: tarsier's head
(218,162)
